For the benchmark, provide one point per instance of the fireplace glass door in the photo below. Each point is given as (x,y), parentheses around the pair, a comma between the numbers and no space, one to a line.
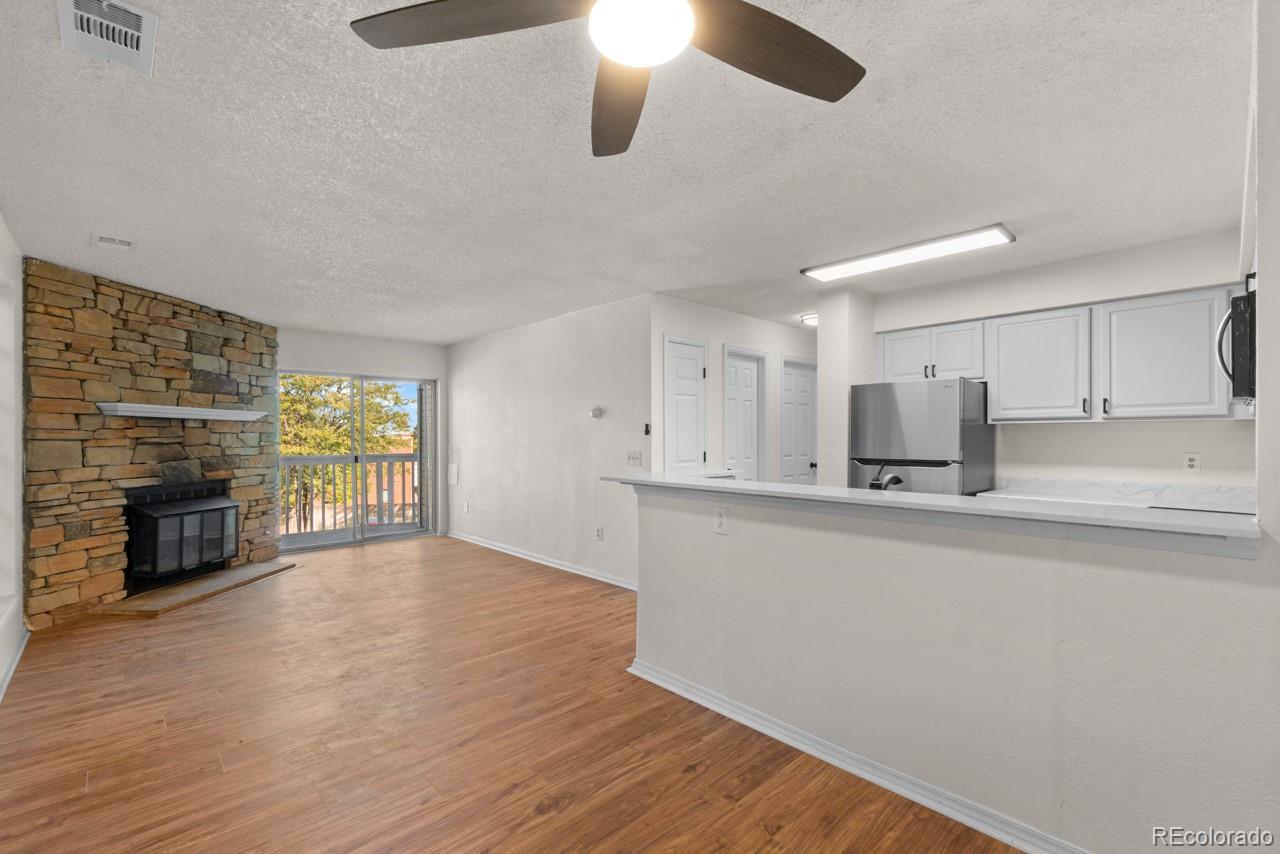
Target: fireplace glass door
(166,537)
(356,458)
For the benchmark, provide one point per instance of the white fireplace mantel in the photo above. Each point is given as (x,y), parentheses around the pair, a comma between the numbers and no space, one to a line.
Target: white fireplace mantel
(152,410)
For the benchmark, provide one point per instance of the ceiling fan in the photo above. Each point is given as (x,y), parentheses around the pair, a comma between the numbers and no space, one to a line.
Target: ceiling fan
(633,36)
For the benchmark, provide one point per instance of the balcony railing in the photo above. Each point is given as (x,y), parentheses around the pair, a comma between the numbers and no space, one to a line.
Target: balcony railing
(322,497)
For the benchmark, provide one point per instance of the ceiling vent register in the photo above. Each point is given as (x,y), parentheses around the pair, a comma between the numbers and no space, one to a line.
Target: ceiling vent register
(104,29)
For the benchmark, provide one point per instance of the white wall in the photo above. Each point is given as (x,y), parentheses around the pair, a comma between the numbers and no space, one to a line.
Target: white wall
(1169,266)
(1136,451)
(717,327)
(317,352)
(12,631)
(529,456)
(305,351)
(1267,87)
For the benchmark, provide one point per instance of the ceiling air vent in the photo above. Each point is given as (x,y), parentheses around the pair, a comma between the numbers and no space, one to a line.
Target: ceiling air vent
(109,30)
(102,241)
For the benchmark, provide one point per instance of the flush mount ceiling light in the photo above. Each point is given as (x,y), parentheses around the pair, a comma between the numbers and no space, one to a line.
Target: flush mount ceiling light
(633,36)
(641,33)
(940,247)
(809,319)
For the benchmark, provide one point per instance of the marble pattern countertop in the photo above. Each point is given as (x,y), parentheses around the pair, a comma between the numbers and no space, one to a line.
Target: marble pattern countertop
(1177,496)
(1112,515)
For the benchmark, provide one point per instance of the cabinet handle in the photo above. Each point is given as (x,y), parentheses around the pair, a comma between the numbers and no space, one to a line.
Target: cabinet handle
(926,372)
(935,371)
(1084,404)
(1222,334)
(1106,406)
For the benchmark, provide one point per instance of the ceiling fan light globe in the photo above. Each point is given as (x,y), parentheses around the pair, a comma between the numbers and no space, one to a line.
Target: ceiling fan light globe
(641,33)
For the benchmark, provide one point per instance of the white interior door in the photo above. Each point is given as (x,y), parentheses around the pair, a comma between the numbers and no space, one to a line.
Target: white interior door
(742,416)
(799,423)
(684,407)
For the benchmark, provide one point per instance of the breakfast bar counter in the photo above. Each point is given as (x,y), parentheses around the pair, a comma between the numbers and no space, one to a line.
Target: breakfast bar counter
(1227,534)
(1002,660)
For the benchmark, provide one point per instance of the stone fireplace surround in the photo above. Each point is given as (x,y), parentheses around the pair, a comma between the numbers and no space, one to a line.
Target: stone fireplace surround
(88,339)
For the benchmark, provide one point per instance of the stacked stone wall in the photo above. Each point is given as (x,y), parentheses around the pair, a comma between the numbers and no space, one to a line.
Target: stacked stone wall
(88,340)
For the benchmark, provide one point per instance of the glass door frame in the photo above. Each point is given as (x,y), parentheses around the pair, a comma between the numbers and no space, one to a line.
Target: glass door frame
(428,433)
(425,508)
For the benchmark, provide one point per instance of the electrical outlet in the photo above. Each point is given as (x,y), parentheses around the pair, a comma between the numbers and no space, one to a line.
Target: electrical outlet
(600,533)
(635,458)
(466,507)
(1191,462)
(720,521)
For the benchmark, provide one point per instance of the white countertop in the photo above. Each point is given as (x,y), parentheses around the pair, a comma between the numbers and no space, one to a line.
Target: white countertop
(1176,496)
(1104,515)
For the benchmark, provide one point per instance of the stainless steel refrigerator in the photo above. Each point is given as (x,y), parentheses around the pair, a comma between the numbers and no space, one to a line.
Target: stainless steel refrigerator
(926,436)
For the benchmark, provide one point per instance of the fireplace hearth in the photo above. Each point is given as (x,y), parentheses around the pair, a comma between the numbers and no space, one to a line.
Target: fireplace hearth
(179,531)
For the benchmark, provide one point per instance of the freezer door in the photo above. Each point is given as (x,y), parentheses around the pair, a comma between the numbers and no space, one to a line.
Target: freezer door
(906,421)
(941,480)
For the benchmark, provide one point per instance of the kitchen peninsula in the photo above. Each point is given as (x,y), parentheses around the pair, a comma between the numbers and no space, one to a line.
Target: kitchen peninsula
(998,659)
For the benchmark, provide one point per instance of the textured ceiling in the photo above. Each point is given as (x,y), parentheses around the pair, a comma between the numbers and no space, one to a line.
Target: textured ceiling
(277,167)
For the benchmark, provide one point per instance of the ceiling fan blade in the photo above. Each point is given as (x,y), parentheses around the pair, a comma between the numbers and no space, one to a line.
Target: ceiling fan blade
(773,49)
(615,110)
(449,20)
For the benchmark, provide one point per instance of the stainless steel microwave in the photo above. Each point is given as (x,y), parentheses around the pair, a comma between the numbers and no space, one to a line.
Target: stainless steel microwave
(1240,365)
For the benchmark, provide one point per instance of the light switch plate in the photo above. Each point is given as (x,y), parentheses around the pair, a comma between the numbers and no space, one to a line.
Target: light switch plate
(720,521)
(1191,462)
(635,458)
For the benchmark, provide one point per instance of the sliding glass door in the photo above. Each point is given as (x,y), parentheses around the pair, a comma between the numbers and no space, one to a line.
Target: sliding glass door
(356,458)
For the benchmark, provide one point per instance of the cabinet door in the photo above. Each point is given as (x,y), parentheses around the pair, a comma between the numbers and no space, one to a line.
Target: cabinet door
(1156,356)
(905,355)
(957,351)
(1038,366)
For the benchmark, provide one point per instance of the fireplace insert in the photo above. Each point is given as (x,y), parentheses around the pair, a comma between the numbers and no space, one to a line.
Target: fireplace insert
(181,530)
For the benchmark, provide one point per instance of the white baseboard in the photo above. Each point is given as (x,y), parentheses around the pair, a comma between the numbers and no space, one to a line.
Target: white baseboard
(964,811)
(13,639)
(545,561)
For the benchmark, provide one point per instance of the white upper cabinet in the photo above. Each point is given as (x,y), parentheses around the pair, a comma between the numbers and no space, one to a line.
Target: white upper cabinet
(1156,356)
(1148,357)
(1038,366)
(957,351)
(905,355)
(932,353)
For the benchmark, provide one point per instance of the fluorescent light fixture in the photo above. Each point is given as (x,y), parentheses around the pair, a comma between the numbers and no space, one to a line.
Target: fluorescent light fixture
(940,247)
(810,319)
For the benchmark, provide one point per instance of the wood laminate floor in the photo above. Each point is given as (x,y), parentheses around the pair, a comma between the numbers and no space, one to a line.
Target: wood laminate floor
(417,695)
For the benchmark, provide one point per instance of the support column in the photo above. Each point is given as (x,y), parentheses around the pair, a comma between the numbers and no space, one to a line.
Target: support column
(1267,111)
(846,356)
